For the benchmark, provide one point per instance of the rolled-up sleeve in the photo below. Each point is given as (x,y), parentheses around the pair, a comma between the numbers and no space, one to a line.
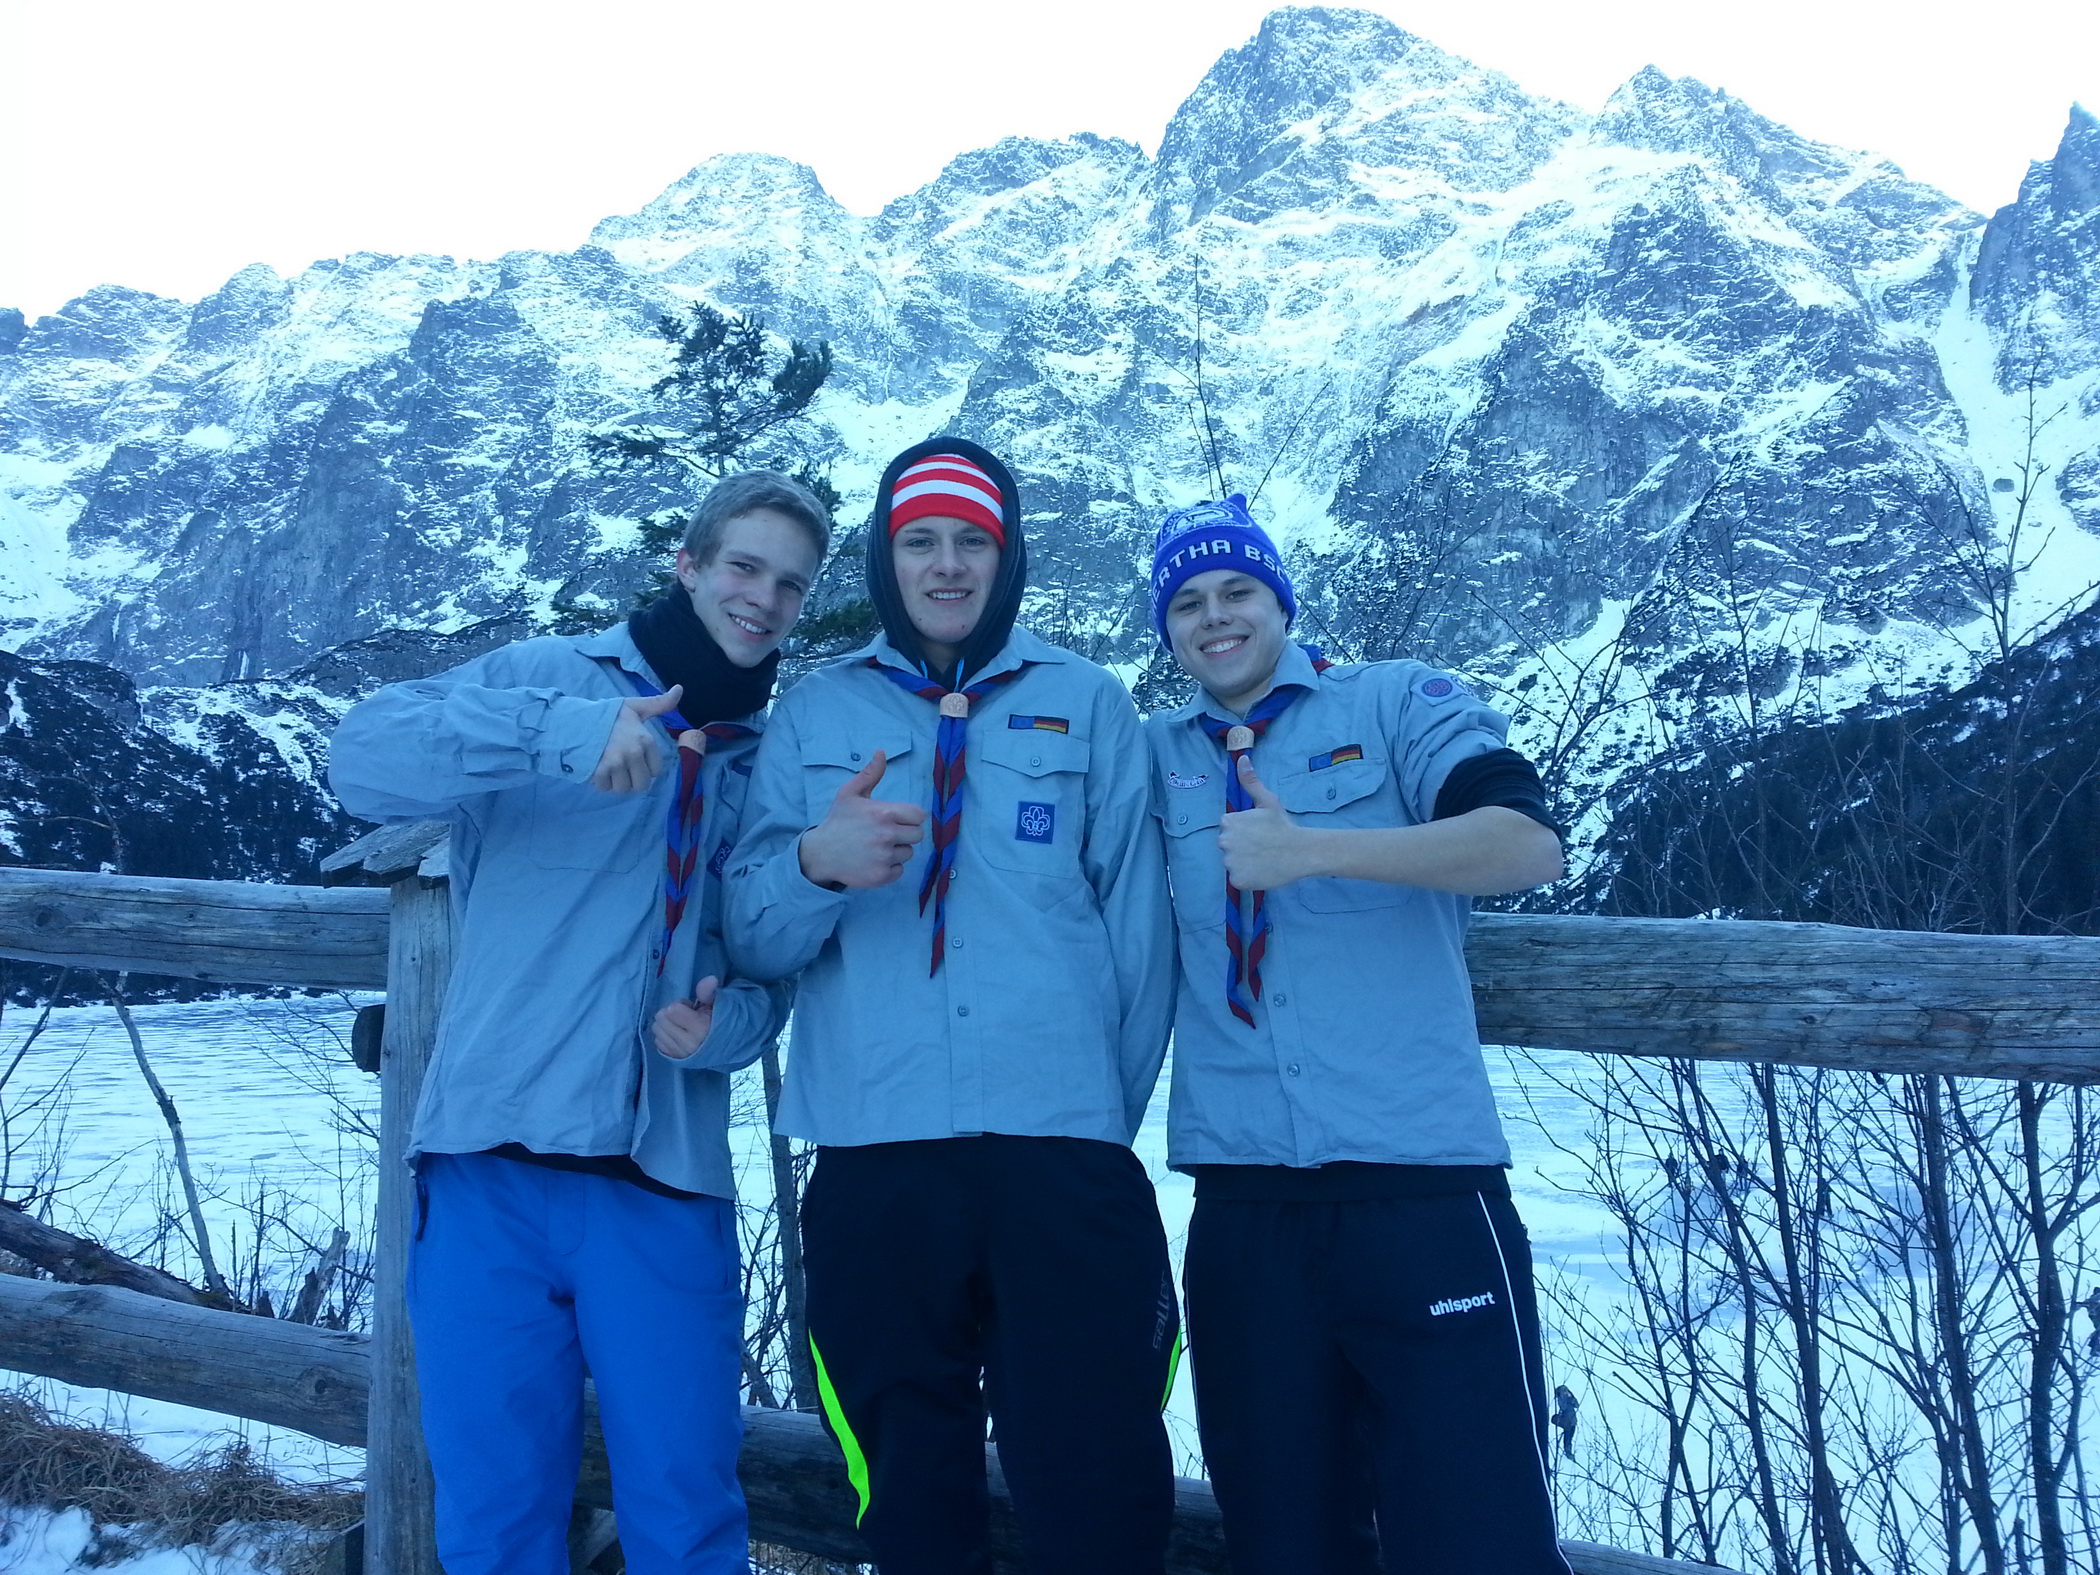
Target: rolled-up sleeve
(418,750)
(1125,863)
(776,918)
(1435,724)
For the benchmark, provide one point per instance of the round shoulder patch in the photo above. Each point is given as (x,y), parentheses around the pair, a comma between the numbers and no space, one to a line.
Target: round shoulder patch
(1440,687)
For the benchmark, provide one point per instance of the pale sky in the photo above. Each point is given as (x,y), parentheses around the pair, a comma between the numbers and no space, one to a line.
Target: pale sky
(163,144)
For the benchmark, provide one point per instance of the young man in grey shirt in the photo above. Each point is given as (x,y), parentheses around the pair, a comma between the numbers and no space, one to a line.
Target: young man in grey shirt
(1361,1315)
(954,849)
(576,1202)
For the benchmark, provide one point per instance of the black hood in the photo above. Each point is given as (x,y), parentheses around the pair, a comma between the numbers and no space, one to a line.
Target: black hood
(1000,608)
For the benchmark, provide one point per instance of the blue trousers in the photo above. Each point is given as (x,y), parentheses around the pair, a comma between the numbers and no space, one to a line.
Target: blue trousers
(520,1278)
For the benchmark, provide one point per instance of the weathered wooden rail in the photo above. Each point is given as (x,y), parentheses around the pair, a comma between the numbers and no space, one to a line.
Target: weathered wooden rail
(2006,1006)
(1804,994)
(221,931)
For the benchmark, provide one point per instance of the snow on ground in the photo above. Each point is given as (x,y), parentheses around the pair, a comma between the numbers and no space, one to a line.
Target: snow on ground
(41,1542)
(265,1088)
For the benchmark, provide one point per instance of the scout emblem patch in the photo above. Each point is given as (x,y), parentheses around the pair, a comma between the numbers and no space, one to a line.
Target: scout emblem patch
(1441,687)
(1035,822)
(1039,724)
(1335,757)
(1176,780)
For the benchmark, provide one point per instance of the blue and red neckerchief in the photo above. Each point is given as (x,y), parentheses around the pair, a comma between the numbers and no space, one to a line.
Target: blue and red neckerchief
(688,807)
(948,766)
(1247,935)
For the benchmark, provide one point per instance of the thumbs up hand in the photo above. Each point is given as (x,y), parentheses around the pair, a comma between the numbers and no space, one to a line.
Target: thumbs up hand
(864,842)
(1263,849)
(683,1026)
(633,753)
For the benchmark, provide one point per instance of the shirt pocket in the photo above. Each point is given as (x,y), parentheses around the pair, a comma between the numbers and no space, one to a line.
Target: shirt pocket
(1195,867)
(832,756)
(1024,798)
(728,790)
(575,827)
(1354,794)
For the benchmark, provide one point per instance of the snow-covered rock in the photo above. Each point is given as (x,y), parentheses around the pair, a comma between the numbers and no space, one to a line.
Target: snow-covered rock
(224,782)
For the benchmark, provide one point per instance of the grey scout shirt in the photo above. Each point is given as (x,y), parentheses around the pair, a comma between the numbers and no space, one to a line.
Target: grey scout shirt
(1049,1014)
(1363,1045)
(557,894)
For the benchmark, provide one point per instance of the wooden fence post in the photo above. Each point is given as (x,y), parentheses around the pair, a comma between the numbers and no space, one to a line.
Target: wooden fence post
(399,1538)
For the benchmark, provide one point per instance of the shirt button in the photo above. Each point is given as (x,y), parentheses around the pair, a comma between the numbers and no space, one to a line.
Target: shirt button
(1035,760)
(566,766)
(1179,820)
(1330,791)
(1279,998)
(955,941)
(1292,1069)
(856,754)
(962,1011)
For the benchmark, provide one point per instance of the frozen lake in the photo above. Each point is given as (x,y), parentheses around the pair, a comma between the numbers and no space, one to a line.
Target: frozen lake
(272,1110)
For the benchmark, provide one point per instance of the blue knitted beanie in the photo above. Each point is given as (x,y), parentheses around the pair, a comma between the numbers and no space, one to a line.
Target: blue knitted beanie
(1206,536)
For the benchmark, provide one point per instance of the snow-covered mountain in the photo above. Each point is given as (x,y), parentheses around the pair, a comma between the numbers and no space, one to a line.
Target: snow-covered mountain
(1653,401)
(207,784)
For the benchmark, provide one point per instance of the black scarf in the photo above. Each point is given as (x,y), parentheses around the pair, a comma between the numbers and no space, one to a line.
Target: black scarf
(1002,606)
(676,643)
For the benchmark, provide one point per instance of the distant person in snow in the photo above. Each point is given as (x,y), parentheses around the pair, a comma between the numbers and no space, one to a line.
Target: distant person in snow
(1361,1313)
(952,846)
(574,1190)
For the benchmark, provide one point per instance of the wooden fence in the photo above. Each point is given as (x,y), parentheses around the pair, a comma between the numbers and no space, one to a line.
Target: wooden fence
(1804,994)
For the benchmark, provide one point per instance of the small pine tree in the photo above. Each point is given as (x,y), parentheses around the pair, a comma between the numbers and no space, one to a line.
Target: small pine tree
(728,390)
(722,395)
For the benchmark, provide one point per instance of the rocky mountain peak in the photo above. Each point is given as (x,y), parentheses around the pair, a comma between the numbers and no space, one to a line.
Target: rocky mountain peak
(2072,178)
(1318,91)
(2038,266)
(1007,165)
(1683,115)
(111,323)
(718,195)
(255,298)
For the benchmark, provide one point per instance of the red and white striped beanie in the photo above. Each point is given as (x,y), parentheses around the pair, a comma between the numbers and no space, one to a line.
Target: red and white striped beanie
(950,487)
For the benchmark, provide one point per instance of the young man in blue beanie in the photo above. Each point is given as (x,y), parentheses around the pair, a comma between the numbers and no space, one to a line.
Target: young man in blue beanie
(955,852)
(574,1186)
(1361,1314)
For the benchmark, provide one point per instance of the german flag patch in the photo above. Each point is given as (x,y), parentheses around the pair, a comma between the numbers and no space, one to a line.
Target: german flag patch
(1335,757)
(1039,724)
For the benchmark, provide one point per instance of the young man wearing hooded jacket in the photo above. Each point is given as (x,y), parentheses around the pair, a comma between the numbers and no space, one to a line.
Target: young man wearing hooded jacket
(1362,1323)
(981,1015)
(574,1186)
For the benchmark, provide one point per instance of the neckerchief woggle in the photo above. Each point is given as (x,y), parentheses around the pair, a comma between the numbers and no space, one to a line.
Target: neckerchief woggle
(949,760)
(688,805)
(1247,935)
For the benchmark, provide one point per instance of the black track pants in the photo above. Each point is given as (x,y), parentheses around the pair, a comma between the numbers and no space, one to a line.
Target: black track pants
(1035,1267)
(1371,1359)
